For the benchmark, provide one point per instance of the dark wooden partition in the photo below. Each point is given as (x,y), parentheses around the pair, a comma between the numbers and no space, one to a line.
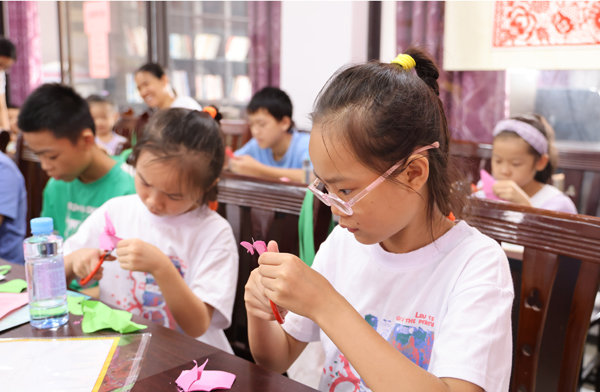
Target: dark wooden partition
(555,288)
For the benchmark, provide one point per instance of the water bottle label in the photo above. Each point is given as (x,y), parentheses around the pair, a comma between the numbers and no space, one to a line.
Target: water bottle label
(49,280)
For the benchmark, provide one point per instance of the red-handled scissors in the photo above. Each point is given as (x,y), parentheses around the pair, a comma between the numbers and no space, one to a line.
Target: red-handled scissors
(87,279)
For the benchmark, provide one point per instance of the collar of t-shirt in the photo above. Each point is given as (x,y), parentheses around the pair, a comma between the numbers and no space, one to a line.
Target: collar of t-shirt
(421,257)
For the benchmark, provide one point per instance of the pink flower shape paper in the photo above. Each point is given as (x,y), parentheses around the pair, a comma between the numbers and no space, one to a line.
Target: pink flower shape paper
(261,248)
(488,185)
(108,238)
(198,379)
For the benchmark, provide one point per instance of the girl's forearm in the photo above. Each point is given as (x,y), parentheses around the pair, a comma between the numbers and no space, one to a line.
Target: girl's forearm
(190,312)
(271,346)
(381,366)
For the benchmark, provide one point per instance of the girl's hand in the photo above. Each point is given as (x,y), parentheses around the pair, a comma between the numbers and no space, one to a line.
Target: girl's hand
(137,255)
(257,303)
(246,165)
(292,284)
(510,191)
(83,262)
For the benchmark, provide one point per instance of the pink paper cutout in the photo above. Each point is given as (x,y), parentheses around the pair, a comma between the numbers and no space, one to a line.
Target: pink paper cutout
(488,185)
(249,247)
(12,301)
(108,238)
(198,379)
(260,247)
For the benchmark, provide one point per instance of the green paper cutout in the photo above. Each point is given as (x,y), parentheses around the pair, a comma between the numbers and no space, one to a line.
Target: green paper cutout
(97,316)
(13,286)
(74,304)
(4,269)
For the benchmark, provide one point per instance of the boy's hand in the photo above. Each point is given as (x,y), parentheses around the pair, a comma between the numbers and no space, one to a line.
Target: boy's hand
(83,262)
(510,191)
(137,255)
(257,303)
(293,285)
(245,165)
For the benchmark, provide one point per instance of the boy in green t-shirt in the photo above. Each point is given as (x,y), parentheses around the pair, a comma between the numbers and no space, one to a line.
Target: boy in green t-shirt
(60,130)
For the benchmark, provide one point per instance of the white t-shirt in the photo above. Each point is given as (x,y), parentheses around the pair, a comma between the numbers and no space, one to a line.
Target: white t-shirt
(201,245)
(182,101)
(2,83)
(446,306)
(548,198)
(551,198)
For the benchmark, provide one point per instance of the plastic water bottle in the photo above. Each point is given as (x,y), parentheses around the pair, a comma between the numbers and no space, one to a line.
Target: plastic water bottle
(46,281)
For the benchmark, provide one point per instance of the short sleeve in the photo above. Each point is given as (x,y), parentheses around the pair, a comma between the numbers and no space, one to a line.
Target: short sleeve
(88,233)
(9,192)
(483,311)
(214,278)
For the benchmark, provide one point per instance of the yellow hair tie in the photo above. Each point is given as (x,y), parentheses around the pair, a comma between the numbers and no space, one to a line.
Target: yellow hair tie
(405,61)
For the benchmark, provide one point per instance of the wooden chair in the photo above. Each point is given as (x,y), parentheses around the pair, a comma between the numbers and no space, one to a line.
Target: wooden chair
(35,179)
(555,289)
(4,140)
(236,133)
(260,209)
(131,126)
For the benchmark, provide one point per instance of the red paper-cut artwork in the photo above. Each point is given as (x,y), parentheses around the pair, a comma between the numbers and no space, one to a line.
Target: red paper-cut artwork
(546,23)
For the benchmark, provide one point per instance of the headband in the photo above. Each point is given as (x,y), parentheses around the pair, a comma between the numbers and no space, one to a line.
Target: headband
(405,61)
(529,133)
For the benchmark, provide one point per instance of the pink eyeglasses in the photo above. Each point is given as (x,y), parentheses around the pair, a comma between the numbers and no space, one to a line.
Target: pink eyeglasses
(346,206)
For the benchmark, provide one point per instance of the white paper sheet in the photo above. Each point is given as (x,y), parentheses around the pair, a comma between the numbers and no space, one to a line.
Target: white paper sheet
(65,365)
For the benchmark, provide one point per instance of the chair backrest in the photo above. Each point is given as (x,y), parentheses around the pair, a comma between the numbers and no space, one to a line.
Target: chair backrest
(131,126)
(260,209)
(580,165)
(555,289)
(236,133)
(35,179)
(4,139)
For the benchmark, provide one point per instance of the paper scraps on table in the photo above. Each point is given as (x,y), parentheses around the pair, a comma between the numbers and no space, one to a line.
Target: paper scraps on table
(97,316)
(74,304)
(13,286)
(261,248)
(488,185)
(12,301)
(198,379)
(108,237)
(4,269)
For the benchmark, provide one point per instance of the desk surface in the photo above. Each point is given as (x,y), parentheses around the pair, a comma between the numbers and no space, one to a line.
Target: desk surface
(168,353)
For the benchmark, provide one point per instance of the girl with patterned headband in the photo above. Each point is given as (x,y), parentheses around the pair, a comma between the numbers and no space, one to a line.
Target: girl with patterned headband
(523,160)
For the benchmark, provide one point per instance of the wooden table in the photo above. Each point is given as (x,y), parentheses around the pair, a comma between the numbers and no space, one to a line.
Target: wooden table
(168,353)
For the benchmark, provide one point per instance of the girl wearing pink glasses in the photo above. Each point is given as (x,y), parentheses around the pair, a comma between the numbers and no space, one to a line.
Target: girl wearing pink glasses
(401,298)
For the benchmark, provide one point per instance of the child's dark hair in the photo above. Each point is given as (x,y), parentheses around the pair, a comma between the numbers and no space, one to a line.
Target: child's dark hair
(153,68)
(383,113)
(96,98)
(539,122)
(273,100)
(7,48)
(192,139)
(56,108)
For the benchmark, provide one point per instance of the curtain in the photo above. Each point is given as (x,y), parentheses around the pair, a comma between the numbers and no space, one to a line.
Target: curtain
(24,32)
(473,100)
(265,43)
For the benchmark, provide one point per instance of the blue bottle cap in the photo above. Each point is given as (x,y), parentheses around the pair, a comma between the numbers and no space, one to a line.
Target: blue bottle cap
(42,226)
